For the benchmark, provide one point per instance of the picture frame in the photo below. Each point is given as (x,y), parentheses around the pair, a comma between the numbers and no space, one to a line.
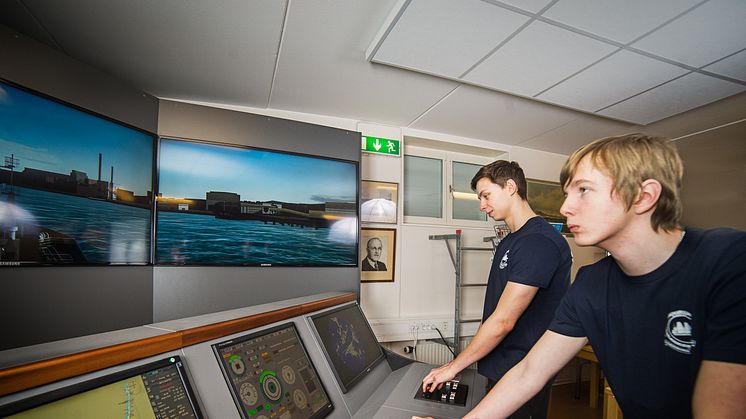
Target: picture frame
(386,254)
(379,202)
(546,198)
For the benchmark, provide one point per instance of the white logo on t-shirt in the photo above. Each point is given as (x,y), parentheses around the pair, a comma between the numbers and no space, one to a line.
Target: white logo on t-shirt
(504,260)
(679,332)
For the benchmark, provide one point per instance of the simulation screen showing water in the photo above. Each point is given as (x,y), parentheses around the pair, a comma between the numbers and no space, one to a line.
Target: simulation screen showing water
(349,344)
(75,188)
(270,375)
(158,390)
(232,205)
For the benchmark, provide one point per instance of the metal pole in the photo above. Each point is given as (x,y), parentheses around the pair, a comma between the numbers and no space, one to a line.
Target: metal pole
(457,315)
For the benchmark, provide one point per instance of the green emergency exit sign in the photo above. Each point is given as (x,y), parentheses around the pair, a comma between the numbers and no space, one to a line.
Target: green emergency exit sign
(381,146)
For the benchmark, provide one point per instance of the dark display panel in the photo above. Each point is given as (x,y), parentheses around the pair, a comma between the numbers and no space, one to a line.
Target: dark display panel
(270,375)
(160,389)
(230,205)
(75,188)
(349,344)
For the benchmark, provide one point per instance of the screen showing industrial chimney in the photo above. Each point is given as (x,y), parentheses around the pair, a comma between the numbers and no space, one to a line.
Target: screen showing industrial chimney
(75,187)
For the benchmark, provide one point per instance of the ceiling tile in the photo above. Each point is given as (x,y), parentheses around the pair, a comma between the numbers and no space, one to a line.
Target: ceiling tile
(616,78)
(733,66)
(533,6)
(487,115)
(674,97)
(535,59)
(621,21)
(576,133)
(446,37)
(715,114)
(172,48)
(325,72)
(706,34)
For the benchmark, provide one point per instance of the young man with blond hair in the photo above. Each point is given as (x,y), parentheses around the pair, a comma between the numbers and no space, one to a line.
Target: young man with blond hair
(665,313)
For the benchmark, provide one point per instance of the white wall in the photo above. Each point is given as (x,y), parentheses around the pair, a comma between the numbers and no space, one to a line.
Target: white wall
(423,290)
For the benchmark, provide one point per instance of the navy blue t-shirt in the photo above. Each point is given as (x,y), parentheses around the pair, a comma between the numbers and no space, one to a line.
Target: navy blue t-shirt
(537,255)
(651,332)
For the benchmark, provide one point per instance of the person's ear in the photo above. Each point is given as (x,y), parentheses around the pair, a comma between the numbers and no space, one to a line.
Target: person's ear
(647,197)
(511,186)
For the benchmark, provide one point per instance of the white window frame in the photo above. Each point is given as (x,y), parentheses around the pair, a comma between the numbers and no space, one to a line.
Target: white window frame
(447,159)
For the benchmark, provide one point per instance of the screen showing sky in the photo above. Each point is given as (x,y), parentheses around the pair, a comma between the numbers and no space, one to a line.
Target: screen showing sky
(190,170)
(45,135)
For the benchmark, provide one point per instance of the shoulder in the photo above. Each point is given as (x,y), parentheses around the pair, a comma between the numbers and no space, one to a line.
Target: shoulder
(720,245)
(722,237)
(544,238)
(591,275)
(536,242)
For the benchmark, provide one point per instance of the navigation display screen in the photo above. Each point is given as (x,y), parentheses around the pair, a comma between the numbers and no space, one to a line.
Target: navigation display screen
(349,344)
(270,375)
(157,390)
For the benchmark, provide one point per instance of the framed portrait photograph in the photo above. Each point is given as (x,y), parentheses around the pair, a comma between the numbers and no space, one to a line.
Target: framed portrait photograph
(378,202)
(377,252)
(546,199)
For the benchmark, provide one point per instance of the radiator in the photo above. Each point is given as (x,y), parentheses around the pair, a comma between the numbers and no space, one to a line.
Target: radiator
(437,353)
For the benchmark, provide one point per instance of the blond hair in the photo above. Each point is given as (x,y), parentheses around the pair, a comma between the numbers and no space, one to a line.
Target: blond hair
(630,160)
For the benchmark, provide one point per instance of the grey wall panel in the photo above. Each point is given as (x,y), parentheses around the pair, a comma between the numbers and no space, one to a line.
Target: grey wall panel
(190,291)
(183,120)
(45,304)
(46,70)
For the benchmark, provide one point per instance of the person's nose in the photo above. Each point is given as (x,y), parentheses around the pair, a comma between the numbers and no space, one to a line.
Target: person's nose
(567,208)
(482,204)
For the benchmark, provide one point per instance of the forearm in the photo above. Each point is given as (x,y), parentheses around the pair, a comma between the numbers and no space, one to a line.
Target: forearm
(511,392)
(719,390)
(528,377)
(486,339)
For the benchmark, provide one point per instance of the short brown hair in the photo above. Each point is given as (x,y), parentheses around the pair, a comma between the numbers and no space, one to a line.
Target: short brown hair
(498,172)
(630,160)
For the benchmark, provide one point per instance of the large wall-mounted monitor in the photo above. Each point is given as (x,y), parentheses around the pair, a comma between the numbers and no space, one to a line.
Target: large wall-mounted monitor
(75,187)
(231,205)
(270,375)
(159,390)
(348,342)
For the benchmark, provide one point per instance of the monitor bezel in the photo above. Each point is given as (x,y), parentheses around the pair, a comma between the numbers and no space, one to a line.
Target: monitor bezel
(78,388)
(322,413)
(346,387)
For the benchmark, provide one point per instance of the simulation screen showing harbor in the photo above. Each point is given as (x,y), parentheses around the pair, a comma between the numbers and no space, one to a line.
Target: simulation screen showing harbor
(231,205)
(158,390)
(269,374)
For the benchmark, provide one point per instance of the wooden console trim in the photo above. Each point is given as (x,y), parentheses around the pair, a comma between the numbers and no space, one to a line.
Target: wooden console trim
(33,374)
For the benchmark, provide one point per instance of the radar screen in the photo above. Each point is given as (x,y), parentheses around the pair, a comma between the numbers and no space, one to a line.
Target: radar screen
(156,390)
(270,376)
(349,344)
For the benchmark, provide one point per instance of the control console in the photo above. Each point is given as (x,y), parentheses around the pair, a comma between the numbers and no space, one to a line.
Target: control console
(452,392)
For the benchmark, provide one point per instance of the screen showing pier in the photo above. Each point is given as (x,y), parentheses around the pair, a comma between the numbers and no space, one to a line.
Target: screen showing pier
(232,205)
(269,374)
(75,187)
(160,389)
(349,344)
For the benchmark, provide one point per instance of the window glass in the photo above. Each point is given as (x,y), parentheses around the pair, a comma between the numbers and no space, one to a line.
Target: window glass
(465,201)
(423,187)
